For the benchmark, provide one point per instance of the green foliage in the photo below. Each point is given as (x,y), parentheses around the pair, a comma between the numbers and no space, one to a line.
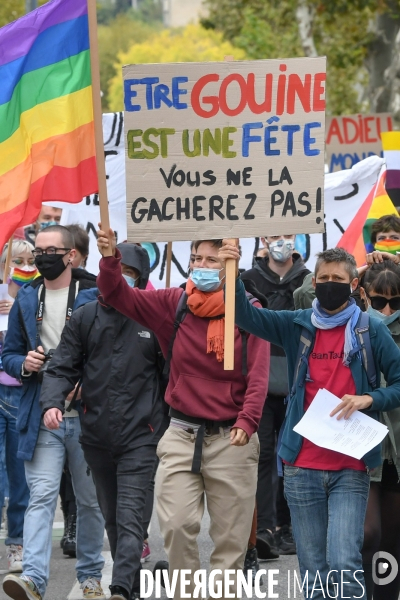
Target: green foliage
(148,11)
(11,10)
(116,37)
(191,44)
(268,29)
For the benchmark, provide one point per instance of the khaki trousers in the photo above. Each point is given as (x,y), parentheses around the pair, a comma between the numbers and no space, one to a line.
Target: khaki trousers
(228,481)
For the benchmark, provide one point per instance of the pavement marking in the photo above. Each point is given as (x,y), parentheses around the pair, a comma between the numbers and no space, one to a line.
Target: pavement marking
(76,592)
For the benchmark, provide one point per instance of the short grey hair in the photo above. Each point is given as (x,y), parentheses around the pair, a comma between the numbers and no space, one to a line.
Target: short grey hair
(337,255)
(18,247)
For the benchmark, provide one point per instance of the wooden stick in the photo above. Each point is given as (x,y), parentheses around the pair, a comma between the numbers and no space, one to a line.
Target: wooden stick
(230,271)
(8,259)
(229,352)
(98,120)
(168,267)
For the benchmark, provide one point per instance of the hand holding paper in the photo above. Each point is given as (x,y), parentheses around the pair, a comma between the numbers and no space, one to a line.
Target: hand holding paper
(354,436)
(350,404)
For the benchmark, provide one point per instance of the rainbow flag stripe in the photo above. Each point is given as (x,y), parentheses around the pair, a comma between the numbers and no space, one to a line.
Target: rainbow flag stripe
(47,149)
(357,237)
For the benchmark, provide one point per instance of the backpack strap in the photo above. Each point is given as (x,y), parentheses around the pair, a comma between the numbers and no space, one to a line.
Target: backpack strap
(180,314)
(364,340)
(89,313)
(88,318)
(303,352)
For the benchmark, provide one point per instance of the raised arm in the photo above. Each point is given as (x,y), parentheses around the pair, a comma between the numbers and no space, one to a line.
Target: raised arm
(270,325)
(154,309)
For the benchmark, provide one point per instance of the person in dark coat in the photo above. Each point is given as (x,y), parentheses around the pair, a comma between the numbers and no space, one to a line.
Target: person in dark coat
(118,361)
(276,275)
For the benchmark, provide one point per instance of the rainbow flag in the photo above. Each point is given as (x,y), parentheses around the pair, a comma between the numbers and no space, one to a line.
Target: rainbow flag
(357,237)
(47,148)
(391,153)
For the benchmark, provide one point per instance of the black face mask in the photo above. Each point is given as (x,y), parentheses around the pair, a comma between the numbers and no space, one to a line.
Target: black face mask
(50,266)
(332,295)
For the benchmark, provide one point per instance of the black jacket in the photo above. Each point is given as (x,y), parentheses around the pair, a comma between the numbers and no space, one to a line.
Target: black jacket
(120,390)
(279,293)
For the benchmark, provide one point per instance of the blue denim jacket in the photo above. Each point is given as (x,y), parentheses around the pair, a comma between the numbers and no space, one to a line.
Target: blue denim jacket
(14,353)
(283,328)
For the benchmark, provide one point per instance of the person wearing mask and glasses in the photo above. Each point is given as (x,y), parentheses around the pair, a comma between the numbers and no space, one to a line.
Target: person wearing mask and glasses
(41,310)
(380,293)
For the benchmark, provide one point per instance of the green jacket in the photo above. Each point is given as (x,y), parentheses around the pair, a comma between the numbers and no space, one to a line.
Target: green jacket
(284,329)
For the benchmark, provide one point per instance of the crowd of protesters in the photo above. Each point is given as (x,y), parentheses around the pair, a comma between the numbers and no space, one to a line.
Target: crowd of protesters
(113,393)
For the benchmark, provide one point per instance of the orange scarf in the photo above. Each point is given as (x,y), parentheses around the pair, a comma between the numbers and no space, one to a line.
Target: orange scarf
(209,304)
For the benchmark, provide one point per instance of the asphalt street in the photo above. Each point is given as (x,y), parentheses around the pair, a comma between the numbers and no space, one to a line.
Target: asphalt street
(63,585)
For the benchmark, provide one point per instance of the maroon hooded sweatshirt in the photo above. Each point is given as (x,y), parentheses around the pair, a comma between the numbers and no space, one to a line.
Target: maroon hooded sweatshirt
(198,385)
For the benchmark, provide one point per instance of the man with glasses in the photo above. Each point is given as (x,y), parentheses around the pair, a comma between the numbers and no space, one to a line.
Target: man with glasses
(36,321)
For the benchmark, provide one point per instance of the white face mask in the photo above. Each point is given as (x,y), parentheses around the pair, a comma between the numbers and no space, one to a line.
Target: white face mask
(281,250)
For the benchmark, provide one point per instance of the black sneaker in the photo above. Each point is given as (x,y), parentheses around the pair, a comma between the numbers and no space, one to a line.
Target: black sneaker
(161,565)
(284,540)
(118,593)
(266,546)
(64,536)
(251,564)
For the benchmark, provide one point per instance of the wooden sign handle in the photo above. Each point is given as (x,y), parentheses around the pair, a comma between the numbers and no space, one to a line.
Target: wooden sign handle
(8,259)
(168,265)
(98,121)
(229,352)
(230,270)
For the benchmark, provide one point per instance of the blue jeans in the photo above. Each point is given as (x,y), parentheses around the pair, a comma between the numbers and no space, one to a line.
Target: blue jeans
(328,511)
(43,474)
(18,490)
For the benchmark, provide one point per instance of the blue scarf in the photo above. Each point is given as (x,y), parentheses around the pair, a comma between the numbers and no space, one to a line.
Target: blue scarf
(349,317)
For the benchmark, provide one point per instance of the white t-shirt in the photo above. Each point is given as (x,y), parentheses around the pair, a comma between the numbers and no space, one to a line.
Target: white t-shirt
(55,310)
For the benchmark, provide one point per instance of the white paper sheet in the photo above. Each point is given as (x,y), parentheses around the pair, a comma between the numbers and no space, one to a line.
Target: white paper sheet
(355,436)
(4,296)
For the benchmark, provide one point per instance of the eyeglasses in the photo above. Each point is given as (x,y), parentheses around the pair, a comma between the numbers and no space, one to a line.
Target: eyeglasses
(50,251)
(379,302)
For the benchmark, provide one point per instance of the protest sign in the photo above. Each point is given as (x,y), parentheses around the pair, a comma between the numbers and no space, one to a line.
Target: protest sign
(227,149)
(352,138)
(344,195)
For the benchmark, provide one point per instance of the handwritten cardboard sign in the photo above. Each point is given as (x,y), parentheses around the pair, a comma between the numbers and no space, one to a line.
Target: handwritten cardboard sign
(224,149)
(353,138)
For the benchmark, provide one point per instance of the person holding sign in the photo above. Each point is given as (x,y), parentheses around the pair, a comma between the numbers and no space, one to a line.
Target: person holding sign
(327,491)
(211,448)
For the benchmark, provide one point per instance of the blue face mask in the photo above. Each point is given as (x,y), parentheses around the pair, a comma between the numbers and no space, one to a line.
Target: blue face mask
(387,319)
(48,224)
(206,280)
(130,280)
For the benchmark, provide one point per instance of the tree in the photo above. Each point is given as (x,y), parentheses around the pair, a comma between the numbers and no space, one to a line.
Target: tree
(115,37)
(11,10)
(191,44)
(357,36)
